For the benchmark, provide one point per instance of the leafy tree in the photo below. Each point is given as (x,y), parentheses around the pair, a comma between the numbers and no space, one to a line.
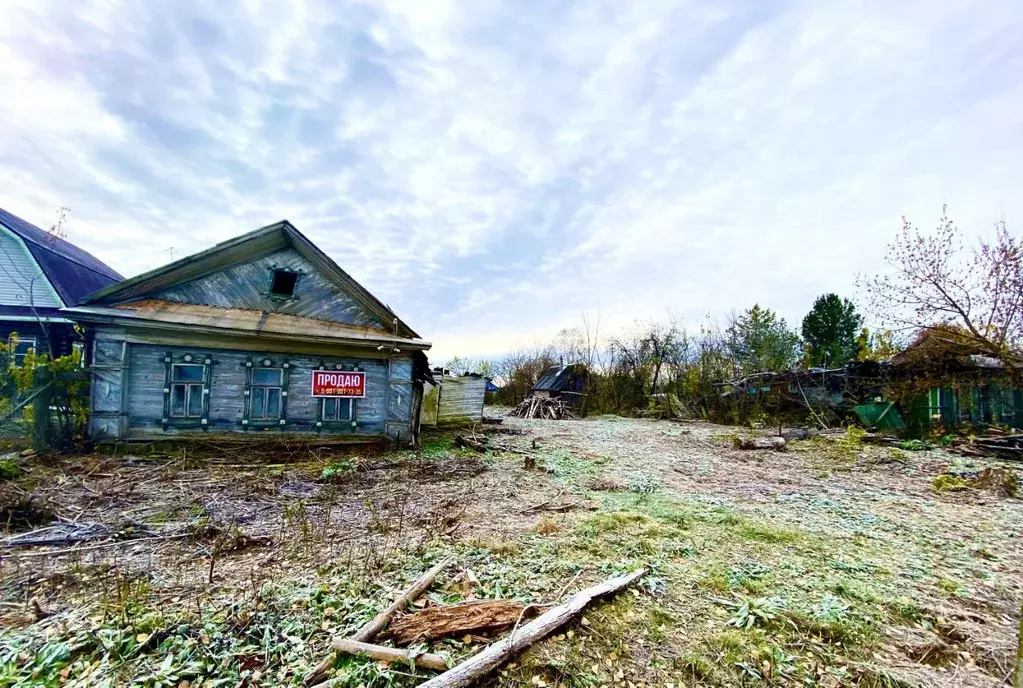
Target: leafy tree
(879,345)
(829,331)
(975,296)
(758,340)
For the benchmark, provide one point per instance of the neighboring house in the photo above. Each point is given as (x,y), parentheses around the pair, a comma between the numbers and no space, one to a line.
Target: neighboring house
(262,333)
(40,274)
(965,386)
(454,399)
(565,382)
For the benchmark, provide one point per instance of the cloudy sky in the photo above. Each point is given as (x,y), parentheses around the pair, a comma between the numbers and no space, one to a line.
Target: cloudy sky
(494,169)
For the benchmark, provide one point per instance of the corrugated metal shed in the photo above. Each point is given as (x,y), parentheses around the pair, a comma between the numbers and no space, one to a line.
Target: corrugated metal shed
(74,273)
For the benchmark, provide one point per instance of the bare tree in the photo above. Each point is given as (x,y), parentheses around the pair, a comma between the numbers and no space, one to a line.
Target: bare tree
(937,284)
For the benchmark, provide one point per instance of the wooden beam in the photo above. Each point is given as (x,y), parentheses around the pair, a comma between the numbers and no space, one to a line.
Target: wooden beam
(478,666)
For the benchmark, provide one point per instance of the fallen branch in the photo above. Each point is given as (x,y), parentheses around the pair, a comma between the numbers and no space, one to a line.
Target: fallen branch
(389,654)
(116,543)
(477,666)
(380,621)
(463,441)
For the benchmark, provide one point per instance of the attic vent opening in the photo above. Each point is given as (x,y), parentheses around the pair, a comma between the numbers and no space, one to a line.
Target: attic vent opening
(283,283)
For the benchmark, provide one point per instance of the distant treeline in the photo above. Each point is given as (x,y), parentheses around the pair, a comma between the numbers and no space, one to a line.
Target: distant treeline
(938,282)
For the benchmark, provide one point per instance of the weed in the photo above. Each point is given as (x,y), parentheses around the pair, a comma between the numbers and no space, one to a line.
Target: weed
(949,483)
(760,611)
(338,471)
(9,469)
(765,532)
(546,526)
(748,577)
(644,484)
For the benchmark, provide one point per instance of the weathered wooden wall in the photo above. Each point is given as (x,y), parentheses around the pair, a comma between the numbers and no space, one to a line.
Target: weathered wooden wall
(461,399)
(129,381)
(245,286)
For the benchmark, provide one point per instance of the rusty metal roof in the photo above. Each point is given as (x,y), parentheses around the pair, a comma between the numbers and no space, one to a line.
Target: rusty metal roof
(160,313)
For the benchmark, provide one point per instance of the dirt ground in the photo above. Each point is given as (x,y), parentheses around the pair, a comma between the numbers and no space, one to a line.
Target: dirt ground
(833,563)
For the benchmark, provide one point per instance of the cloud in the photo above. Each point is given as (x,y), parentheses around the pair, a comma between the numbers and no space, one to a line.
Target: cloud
(493,169)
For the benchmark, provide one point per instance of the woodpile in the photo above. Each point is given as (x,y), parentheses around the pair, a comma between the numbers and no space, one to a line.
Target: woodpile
(544,408)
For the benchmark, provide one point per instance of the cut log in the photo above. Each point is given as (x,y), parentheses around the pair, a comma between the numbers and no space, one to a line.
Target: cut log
(456,620)
(775,443)
(380,621)
(389,654)
(477,666)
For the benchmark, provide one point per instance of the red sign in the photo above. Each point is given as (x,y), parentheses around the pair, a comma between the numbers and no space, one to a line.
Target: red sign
(340,383)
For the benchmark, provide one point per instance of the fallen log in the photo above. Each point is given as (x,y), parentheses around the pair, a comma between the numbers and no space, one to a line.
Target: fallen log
(775,443)
(389,654)
(380,621)
(456,620)
(477,666)
(469,443)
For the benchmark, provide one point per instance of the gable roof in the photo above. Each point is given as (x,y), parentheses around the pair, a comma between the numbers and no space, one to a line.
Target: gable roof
(74,273)
(238,250)
(559,378)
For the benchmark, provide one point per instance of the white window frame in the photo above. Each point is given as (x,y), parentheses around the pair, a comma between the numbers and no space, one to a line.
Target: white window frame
(189,412)
(13,361)
(263,390)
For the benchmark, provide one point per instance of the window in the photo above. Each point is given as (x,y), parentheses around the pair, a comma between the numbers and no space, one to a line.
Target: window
(19,348)
(78,349)
(186,391)
(335,409)
(265,394)
(283,283)
(1007,406)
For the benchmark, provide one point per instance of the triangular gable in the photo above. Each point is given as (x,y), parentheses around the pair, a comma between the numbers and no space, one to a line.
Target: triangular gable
(236,274)
(245,286)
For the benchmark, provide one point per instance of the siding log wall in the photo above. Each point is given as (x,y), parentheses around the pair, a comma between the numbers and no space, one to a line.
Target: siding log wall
(129,382)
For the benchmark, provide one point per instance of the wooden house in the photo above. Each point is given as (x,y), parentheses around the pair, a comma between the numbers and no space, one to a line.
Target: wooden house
(260,334)
(956,384)
(564,382)
(40,273)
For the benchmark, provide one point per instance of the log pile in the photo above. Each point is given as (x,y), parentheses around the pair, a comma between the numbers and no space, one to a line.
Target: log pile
(544,408)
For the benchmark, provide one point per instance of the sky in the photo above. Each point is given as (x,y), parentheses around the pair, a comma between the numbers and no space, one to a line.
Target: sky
(495,169)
